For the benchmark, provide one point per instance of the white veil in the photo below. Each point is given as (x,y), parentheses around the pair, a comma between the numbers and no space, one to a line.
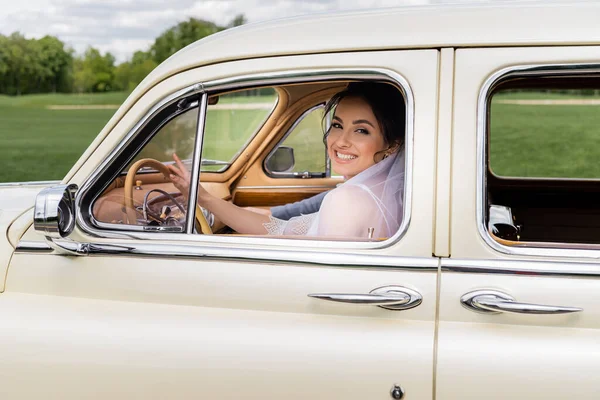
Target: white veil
(369,205)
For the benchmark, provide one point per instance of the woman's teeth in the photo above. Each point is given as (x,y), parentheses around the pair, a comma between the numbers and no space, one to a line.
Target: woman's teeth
(345,156)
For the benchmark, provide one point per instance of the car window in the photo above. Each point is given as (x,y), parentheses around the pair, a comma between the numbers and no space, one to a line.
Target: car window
(141,195)
(302,151)
(543,169)
(140,190)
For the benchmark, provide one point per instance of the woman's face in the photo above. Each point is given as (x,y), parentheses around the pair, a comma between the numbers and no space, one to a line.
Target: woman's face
(354,137)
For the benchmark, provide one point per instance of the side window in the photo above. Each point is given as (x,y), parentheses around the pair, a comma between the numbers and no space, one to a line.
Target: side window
(542,170)
(140,193)
(302,151)
(141,190)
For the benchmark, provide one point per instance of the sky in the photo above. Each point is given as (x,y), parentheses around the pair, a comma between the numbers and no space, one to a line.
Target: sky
(124,26)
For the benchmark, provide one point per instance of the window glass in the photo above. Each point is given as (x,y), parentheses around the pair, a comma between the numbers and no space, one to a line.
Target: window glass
(543,169)
(176,136)
(306,141)
(149,201)
(231,123)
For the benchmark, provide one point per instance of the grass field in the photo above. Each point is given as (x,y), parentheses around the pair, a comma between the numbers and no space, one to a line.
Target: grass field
(41,144)
(37,143)
(545,140)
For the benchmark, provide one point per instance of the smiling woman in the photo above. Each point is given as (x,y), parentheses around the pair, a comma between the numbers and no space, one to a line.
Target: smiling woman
(365,144)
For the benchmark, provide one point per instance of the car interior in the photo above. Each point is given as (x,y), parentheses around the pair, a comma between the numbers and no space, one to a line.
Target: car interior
(279,158)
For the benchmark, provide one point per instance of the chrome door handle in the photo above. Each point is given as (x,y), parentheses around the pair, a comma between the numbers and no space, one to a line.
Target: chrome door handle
(388,297)
(495,302)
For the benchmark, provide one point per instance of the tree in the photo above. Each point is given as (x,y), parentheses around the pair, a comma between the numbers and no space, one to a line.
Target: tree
(179,36)
(19,62)
(94,72)
(55,62)
(238,20)
(129,74)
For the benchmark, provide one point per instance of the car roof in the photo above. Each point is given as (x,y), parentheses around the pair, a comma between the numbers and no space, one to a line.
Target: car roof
(494,24)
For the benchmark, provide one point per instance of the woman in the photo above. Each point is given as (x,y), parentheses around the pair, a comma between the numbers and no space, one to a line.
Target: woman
(365,144)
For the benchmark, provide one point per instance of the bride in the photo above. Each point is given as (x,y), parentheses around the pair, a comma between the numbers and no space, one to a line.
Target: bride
(365,142)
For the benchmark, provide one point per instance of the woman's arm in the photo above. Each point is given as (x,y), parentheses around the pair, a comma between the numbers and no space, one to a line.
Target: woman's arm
(302,207)
(239,219)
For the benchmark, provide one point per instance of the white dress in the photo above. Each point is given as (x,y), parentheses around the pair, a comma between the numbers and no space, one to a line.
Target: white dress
(372,200)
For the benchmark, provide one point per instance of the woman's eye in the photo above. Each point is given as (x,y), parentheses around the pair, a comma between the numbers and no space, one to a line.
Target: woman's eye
(363,131)
(336,125)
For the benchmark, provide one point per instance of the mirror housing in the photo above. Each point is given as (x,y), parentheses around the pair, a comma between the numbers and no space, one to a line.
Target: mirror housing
(54,213)
(282,160)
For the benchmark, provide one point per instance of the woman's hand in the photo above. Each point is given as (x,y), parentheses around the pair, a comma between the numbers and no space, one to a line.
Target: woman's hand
(180,176)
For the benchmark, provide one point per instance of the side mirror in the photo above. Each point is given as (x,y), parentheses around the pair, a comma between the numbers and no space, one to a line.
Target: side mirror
(54,213)
(282,160)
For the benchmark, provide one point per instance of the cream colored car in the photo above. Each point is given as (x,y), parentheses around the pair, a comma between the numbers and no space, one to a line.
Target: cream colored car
(489,290)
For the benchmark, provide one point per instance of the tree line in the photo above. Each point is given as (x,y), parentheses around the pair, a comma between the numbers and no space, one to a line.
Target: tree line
(48,65)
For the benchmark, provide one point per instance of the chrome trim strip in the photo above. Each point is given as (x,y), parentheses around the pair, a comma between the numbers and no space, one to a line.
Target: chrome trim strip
(521,268)
(30,183)
(289,131)
(29,246)
(250,254)
(534,70)
(286,187)
(195,177)
(264,79)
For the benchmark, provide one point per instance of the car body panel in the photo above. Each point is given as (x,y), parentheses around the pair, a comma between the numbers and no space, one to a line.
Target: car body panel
(205,326)
(510,355)
(16,202)
(223,315)
(473,68)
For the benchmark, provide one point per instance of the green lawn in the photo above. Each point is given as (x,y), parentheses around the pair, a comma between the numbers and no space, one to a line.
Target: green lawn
(37,143)
(41,144)
(545,140)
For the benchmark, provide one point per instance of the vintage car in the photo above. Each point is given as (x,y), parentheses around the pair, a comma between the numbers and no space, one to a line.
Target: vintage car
(490,289)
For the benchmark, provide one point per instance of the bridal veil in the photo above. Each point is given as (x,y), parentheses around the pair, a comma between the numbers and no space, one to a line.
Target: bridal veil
(368,205)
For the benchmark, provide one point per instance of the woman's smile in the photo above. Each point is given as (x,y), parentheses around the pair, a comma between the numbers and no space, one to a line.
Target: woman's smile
(344,157)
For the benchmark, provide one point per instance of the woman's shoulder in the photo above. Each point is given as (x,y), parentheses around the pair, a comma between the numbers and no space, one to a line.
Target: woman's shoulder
(350,194)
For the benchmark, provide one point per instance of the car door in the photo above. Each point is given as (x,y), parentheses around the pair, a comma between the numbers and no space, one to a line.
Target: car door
(199,316)
(520,291)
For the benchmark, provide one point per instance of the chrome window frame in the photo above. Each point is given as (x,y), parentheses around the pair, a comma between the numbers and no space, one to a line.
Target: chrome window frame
(550,249)
(247,81)
(279,175)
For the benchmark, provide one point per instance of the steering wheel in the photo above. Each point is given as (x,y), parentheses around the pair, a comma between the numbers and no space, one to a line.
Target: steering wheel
(129,184)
